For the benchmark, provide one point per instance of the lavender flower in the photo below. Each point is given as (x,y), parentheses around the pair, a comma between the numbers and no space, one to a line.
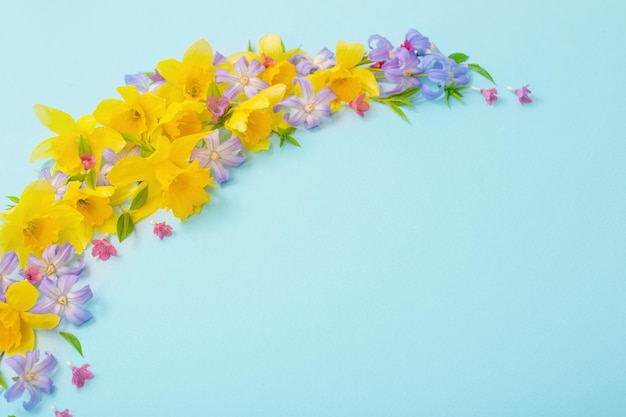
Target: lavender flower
(31,376)
(382,50)
(216,155)
(145,83)
(415,41)
(442,71)
(54,260)
(64,302)
(58,181)
(310,108)
(8,264)
(246,78)
(401,70)
(306,66)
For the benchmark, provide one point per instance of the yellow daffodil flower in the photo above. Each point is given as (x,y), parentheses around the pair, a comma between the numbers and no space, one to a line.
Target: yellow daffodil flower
(64,148)
(183,119)
(136,113)
(173,182)
(276,60)
(94,205)
(254,119)
(16,322)
(189,79)
(344,79)
(38,221)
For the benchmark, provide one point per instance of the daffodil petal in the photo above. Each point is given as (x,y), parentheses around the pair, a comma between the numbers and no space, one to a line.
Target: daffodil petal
(56,120)
(22,295)
(349,54)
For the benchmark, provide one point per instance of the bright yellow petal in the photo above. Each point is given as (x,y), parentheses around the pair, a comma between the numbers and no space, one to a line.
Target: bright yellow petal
(349,54)
(271,45)
(368,81)
(55,120)
(199,53)
(22,295)
(129,93)
(41,321)
(171,70)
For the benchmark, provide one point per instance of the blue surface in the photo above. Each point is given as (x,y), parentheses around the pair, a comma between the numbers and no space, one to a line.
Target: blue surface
(470,263)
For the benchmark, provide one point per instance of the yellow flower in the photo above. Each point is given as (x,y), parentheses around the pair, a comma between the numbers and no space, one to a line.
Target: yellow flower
(137,113)
(38,221)
(64,147)
(16,323)
(344,79)
(189,79)
(183,119)
(278,68)
(254,119)
(173,182)
(94,205)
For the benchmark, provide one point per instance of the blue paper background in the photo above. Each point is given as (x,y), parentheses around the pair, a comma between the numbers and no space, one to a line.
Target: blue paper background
(470,263)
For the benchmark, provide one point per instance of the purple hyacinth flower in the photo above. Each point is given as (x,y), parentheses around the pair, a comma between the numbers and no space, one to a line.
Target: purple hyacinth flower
(145,83)
(58,182)
(415,41)
(64,302)
(401,70)
(382,50)
(31,376)
(245,79)
(306,66)
(9,262)
(310,108)
(54,260)
(217,154)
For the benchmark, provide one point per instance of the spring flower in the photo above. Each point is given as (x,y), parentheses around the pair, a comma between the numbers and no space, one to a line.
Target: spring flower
(216,155)
(253,120)
(32,275)
(38,221)
(54,261)
(441,71)
(8,264)
(305,66)
(94,204)
(490,94)
(245,79)
(190,78)
(359,105)
(63,148)
(145,83)
(217,107)
(88,160)
(162,230)
(522,94)
(416,42)
(16,322)
(58,181)
(382,50)
(64,413)
(64,302)
(310,108)
(102,249)
(401,70)
(32,376)
(136,113)
(173,182)
(182,119)
(80,375)
(278,69)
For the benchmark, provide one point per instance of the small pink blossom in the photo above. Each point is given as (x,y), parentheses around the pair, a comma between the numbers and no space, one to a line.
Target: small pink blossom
(162,230)
(359,105)
(64,413)
(102,249)
(522,94)
(217,107)
(88,160)
(268,61)
(491,94)
(80,375)
(33,275)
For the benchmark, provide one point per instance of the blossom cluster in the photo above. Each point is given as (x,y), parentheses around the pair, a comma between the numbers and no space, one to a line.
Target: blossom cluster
(172,135)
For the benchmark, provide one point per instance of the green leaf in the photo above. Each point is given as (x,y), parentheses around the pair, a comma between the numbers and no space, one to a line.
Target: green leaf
(14,199)
(213,90)
(125,226)
(73,340)
(146,150)
(2,383)
(293,141)
(480,70)
(398,111)
(250,47)
(83,146)
(140,199)
(91,178)
(458,57)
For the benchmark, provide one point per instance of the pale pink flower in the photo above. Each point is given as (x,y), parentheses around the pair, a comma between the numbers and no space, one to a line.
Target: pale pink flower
(162,230)
(103,249)
(80,375)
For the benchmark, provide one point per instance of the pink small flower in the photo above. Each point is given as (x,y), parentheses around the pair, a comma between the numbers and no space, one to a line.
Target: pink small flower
(88,160)
(33,275)
(217,107)
(64,413)
(102,249)
(80,375)
(359,105)
(268,61)
(491,94)
(522,94)
(162,230)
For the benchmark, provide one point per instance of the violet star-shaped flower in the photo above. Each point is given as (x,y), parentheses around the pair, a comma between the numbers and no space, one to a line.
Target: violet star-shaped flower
(306,66)
(245,79)
(58,182)
(401,70)
(217,154)
(64,302)
(8,264)
(310,108)
(145,83)
(32,376)
(54,260)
